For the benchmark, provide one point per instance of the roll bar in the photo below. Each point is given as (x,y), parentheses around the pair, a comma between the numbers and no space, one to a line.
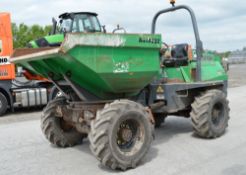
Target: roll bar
(199,44)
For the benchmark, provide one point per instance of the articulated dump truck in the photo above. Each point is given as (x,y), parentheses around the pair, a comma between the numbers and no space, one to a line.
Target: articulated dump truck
(117,87)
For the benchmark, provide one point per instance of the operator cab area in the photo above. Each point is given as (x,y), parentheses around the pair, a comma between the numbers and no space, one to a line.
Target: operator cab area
(176,55)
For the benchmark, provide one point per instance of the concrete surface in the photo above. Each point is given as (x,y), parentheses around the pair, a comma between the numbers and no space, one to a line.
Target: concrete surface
(237,75)
(175,151)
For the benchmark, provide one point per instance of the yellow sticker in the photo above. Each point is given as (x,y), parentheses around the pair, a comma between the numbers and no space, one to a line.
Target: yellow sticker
(160,89)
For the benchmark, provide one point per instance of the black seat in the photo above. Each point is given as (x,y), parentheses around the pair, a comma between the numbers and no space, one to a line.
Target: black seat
(179,56)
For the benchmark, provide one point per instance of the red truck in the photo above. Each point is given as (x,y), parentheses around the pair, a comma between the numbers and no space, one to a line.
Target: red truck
(26,91)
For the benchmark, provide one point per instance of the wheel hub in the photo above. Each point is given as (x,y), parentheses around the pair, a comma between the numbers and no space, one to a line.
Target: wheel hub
(126,134)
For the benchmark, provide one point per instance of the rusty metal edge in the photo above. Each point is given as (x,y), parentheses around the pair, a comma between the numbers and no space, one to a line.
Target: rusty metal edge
(38,55)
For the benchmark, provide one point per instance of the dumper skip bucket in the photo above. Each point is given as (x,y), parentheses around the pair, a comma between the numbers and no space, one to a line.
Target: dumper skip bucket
(100,63)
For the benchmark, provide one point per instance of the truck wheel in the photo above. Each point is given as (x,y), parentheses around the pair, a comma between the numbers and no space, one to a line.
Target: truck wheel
(121,134)
(210,114)
(159,119)
(3,104)
(56,130)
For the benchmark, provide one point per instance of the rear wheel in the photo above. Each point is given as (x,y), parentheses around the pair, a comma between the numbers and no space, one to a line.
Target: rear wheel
(55,129)
(210,114)
(3,104)
(121,134)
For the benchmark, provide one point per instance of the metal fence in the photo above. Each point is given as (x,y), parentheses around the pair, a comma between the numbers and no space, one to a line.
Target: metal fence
(237,57)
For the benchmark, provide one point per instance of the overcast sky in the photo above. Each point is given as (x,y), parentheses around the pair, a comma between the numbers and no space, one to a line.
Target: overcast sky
(222,23)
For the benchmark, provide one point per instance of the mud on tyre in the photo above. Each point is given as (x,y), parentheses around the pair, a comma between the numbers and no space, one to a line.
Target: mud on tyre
(55,129)
(210,114)
(121,134)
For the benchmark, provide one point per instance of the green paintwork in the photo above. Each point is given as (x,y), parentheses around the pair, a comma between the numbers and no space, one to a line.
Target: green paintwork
(212,70)
(33,44)
(115,65)
(106,65)
(51,39)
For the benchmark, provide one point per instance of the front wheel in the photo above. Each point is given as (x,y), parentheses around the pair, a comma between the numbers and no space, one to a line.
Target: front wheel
(121,134)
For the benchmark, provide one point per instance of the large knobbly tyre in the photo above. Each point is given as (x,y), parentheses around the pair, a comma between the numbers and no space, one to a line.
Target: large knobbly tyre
(55,128)
(210,114)
(121,134)
(3,104)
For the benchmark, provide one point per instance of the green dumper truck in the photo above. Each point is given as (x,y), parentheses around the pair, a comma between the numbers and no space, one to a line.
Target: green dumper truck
(117,87)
